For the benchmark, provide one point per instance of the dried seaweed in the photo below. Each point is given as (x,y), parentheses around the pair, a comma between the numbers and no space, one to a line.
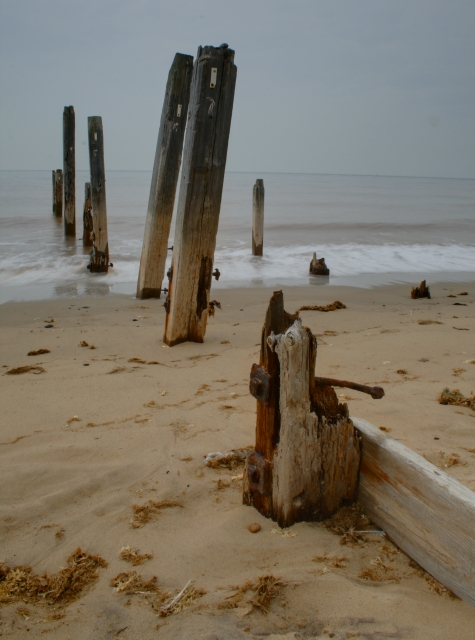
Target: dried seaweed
(184,598)
(131,583)
(34,369)
(20,583)
(429,322)
(348,522)
(378,571)
(83,343)
(147,512)
(329,307)
(453,396)
(228,460)
(39,352)
(129,554)
(434,585)
(265,589)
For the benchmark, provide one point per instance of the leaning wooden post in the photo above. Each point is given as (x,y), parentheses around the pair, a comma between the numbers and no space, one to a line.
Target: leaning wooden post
(87,217)
(100,245)
(206,146)
(165,177)
(312,459)
(258,193)
(58,193)
(69,170)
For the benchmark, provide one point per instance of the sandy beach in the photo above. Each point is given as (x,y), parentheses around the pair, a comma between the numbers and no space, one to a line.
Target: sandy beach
(124,420)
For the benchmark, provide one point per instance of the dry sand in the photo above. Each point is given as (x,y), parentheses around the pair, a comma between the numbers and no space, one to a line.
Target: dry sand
(80,445)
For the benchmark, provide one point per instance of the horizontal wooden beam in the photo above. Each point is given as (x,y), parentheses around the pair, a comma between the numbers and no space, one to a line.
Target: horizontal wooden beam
(428,514)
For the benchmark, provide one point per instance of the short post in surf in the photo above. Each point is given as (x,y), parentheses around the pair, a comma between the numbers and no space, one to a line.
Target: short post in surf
(100,244)
(318,266)
(165,177)
(199,203)
(57,193)
(258,193)
(307,453)
(87,217)
(69,171)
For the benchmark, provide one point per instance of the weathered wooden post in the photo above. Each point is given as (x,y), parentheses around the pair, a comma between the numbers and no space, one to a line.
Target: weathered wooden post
(318,266)
(165,177)
(206,145)
(87,216)
(422,291)
(258,194)
(58,193)
(69,171)
(306,461)
(100,245)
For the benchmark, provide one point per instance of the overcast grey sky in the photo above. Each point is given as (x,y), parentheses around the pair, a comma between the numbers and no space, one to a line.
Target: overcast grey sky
(324,86)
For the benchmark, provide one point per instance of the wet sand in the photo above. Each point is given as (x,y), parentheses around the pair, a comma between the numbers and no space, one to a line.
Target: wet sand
(103,429)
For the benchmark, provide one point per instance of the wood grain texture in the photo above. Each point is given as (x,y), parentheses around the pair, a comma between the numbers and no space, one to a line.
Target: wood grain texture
(58,193)
(258,194)
(165,177)
(428,514)
(69,171)
(87,221)
(315,467)
(199,203)
(100,243)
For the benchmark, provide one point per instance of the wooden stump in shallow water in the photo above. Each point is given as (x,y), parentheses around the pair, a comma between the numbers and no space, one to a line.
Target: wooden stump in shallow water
(58,193)
(307,455)
(100,244)
(318,266)
(69,171)
(258,194)
(166,168)
(199,203)
(87,217)
(422,291)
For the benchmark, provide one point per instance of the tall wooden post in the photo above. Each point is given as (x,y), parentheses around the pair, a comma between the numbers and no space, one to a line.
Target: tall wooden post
(258,218)
(58,193)
(165,177)
(100,245)
(206,146)
(87,217)
(69,170)
(307,455)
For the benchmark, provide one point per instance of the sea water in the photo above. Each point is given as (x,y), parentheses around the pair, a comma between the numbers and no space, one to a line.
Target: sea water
(371,230)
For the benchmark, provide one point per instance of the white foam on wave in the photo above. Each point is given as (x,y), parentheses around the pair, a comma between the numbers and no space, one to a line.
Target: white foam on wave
(237,265)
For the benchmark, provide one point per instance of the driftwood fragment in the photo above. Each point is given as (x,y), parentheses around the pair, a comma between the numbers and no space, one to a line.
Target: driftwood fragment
(422,291)
(375,392)
(306,460)
(318,266)
(258,194)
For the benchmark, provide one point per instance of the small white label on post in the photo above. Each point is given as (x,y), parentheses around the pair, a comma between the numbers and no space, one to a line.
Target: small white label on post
(178,111)
(214,73)
(95,135)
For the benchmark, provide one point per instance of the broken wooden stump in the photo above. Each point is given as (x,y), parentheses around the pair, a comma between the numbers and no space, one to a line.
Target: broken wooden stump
(426,512)
(318,266)
(100,244)
(58,193)
(422,291)
(69,171)
(258,194)
(87,216)
(166,168)
(199,203)
(306,460)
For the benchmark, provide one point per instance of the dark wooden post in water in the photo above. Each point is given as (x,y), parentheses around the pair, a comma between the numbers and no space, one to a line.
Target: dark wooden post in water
(165,176)
(100,244)
(206,145)
(258,218)
(422,291)
(87,216)
(69,170)
(58,193)
(305,464)
(318,266)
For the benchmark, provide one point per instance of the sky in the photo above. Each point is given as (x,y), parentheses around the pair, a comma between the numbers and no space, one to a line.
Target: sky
(368,87)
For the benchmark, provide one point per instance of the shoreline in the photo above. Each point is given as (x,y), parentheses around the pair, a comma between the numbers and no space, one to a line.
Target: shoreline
(103,428)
